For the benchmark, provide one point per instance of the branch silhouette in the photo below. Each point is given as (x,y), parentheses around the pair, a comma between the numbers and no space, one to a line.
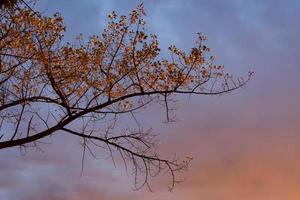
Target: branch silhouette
(48,86)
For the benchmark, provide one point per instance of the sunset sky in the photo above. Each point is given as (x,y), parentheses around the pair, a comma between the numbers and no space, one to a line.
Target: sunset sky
(245,145)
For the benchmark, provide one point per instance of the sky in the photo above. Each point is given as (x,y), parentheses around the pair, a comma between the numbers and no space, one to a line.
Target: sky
(245,144)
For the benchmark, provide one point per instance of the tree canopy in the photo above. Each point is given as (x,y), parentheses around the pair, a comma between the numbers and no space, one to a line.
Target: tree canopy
(80,88)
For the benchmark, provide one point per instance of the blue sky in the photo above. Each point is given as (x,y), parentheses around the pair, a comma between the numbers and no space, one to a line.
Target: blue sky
(245,144)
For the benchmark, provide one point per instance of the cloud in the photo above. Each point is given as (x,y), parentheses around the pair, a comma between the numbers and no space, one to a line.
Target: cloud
(245,144)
